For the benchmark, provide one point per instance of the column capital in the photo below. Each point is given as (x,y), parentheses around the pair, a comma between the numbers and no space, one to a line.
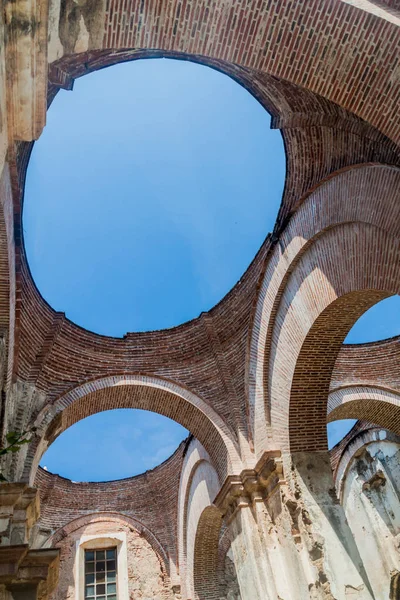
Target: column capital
(252,485)
(19,511)
(21,568)
(27,573)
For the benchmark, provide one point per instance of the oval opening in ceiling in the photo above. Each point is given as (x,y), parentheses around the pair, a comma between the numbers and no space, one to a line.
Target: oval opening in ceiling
(148,194)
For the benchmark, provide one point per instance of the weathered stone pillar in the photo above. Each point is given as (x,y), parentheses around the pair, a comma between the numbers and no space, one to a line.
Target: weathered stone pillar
(334,552)
(290,539)
(370,497)
(24,573)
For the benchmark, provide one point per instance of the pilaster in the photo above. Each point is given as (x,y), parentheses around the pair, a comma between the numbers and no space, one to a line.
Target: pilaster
(24,572)
(289,537)
(26,67)
(251,486)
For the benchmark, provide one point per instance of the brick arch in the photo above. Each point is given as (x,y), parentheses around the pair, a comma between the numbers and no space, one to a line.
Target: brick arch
(206,556)
(289,104)
(364,194)
(335,281)
(63,72)
(198,464)
(111,517)
(264,37)
(375,405)
(144,392)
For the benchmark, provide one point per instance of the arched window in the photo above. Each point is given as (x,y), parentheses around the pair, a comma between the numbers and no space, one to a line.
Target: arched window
(101,567)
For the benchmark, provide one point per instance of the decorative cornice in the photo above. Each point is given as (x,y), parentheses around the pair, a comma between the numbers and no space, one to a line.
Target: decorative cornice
(251,486)
(19,511)
(19,565)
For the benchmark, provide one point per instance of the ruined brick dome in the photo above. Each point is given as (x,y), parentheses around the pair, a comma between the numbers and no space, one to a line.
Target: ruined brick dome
(253,506)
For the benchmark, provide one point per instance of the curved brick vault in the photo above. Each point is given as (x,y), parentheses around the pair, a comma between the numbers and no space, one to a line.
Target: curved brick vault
(261,369)
(336,258)
(208,354)
(325,127)
(377,405)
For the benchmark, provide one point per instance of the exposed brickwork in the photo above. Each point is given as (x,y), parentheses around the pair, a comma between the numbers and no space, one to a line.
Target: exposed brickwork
(376,363)
(312,45)
(377,405)
(7,266)
(205,572)
(327,135)
(145,393)
(63,502)
(322,268)
(262,367)
(320,346)
(301,43)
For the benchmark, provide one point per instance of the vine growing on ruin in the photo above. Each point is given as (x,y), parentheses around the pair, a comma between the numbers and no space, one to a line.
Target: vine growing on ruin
(14,442)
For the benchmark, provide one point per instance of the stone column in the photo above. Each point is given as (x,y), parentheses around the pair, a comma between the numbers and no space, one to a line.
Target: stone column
(333,551)
(371,500)
(24,573)
(286,542)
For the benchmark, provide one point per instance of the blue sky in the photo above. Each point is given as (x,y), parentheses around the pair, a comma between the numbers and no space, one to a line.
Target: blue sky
(115,443)
(149,193)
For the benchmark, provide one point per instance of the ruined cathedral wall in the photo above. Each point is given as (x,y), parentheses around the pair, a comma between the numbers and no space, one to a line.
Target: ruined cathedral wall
(63,501)
(141,576)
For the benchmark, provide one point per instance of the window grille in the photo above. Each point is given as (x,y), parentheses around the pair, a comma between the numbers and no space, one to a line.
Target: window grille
(101,574)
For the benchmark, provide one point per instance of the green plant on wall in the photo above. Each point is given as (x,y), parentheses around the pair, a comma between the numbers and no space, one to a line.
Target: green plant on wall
(14,442)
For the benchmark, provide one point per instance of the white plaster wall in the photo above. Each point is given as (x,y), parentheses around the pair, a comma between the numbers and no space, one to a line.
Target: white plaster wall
(373,512)
(203,489)
(329,540)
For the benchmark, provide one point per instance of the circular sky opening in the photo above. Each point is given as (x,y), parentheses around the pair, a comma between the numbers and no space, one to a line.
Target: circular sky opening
(148,194)
(116,444)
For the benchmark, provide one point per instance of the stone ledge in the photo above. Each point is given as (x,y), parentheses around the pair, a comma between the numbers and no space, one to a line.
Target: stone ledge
(252,485)
(19,511)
